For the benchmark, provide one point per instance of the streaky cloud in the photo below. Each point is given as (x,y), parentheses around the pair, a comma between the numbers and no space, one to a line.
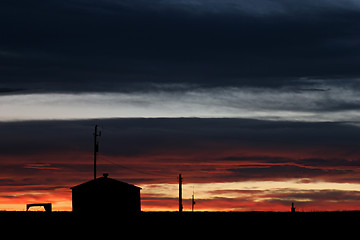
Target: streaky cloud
(322,102)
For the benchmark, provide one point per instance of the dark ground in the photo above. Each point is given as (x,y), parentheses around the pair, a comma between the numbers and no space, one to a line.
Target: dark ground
(188,225)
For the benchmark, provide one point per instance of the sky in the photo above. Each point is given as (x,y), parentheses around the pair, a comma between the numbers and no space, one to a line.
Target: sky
(256,103)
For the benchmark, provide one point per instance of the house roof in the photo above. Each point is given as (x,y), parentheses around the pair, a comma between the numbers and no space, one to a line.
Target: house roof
(104,180)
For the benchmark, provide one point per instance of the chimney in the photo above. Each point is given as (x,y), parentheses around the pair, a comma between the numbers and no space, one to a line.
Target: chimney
(105,175)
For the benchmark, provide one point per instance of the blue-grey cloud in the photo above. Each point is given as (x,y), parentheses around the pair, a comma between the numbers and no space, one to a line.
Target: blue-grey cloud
(134,136)
(118,45)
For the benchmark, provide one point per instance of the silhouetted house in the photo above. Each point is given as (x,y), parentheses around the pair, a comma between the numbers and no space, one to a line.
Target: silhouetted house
(106,195)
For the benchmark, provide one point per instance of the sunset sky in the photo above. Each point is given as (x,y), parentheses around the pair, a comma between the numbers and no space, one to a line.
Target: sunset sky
(256,103)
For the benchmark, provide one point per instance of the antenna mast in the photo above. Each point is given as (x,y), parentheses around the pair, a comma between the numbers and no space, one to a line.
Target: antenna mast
(96,148)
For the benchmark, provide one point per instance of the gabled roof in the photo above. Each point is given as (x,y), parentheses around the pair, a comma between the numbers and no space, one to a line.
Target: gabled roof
(105,181)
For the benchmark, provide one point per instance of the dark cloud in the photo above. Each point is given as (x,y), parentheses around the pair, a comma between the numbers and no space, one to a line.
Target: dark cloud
(133,136)
(282,172)
(109,45)
(203,149)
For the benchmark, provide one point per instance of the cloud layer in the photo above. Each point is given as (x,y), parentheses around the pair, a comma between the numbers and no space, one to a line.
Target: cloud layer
(116,45)
(321,101)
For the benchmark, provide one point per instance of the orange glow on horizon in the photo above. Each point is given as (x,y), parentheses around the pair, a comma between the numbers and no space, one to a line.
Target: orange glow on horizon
(224,179)
(233,196)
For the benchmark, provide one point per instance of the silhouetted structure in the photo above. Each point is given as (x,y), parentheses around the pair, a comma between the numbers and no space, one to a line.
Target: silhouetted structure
(180,194)
(96,147)
(47,206)
(292,208)
(193,202)
(106,195)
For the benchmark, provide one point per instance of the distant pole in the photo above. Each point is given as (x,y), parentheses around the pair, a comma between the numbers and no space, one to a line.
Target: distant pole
(180,194)
(96,148)
(193,201)
(292,208)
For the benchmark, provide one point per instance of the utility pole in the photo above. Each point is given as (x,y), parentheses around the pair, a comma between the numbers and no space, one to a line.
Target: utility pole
(193,201)
(180,194)
(96,148)
(292,207)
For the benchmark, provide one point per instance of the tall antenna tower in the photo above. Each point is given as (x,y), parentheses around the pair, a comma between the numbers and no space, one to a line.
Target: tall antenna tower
(96,147)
